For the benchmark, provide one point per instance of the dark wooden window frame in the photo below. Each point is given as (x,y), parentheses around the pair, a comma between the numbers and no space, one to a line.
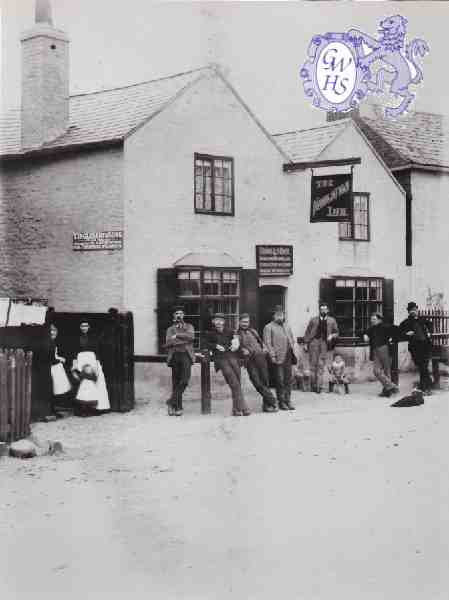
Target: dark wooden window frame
(352,238)
(354,340)
(202,298)
(212,211)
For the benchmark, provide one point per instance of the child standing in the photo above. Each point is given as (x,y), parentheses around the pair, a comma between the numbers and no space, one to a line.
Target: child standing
(337,374)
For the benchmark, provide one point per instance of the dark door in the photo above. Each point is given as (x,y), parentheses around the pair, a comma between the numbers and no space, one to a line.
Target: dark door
(269,297)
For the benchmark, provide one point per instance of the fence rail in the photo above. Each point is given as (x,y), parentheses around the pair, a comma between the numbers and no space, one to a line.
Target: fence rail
(15,394)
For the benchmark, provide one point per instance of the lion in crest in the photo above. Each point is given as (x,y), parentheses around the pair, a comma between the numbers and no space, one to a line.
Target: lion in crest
(390,48)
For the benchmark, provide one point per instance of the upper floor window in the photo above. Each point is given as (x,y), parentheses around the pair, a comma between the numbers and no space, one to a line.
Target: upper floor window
(358,229)
(214,185)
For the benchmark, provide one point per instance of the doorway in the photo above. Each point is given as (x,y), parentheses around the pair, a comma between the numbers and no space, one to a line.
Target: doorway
(269,297)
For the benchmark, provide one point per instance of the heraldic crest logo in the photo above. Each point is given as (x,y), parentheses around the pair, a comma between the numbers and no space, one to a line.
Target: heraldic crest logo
(344,68)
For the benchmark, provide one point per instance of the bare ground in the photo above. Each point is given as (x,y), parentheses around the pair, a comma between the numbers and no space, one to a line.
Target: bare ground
(345,498)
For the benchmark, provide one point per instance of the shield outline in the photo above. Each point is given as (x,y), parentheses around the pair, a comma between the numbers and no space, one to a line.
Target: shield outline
(308,72)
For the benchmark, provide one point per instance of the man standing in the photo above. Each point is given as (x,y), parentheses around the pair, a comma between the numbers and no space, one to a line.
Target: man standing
(418,332)
(320,337)
(179,341)
(379,336)
(278,338)
(254,353)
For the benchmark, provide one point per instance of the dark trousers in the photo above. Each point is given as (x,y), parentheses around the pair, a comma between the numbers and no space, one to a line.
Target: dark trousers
(283,379)
(229,365)
(257,368)
(181,368)
(420,352)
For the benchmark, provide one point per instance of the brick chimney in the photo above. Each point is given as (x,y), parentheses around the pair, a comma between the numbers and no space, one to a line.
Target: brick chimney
(45,80)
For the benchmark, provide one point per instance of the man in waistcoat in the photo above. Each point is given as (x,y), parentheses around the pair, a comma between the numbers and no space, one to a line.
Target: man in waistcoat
(320,337)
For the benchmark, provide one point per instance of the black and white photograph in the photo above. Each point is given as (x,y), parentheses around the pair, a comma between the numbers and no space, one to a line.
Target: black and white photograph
(224,300)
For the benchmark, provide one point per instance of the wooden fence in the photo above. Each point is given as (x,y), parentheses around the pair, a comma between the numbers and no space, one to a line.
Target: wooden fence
(440,321)
(15,394)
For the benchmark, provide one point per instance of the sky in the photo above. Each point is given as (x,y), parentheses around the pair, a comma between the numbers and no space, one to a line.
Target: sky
(259,45)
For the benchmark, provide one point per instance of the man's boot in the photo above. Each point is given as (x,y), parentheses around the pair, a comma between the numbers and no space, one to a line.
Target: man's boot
(331,387)
(346,388)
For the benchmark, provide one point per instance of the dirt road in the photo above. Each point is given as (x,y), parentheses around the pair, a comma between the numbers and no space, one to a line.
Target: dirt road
(345,498)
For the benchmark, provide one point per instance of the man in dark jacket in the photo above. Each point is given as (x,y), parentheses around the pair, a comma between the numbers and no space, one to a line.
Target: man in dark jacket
(179,342)
(254,353)
(418,331)
(379,336)
(320,337)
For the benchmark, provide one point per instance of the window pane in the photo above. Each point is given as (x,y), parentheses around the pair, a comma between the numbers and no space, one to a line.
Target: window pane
(189,283)
(211,283)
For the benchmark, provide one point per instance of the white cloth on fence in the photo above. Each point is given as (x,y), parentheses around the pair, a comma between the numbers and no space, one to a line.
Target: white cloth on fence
(92,391)
(60,381)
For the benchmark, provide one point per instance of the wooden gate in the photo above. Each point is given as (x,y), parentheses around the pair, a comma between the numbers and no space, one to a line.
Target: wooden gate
(15,394)
(115,333)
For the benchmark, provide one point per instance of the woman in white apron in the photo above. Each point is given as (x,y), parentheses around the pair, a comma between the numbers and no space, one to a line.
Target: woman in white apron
(92,393)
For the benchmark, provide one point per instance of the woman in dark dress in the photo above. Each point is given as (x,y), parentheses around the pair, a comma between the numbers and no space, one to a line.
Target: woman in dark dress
(224,346)
(60,382)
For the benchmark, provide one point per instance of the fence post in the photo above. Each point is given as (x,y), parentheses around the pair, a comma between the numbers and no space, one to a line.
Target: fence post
(20,393)
(205,385)
(27,391)
(12,393)
(4,412)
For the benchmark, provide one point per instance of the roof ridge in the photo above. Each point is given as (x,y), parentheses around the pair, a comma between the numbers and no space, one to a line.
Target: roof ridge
(130,85)
(313,128)
(409,112)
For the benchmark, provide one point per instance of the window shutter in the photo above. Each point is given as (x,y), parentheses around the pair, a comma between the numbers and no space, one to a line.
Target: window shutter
(327,293)
(249,286)
(388,301)
(166,298)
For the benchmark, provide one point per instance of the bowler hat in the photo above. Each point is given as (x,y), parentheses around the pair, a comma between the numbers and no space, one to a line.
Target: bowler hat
(244,316)
(178,307)
(411,306)
(219,315)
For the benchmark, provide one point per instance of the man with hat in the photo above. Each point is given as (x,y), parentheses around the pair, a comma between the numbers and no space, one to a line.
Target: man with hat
(254,352)
(224,345)
(279,340)
(179,342)
(320,337)
(418,331)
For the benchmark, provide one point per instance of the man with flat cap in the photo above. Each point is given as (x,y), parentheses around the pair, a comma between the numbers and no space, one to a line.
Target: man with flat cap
(179,342)
(279,340)
(254,354)
(418,331)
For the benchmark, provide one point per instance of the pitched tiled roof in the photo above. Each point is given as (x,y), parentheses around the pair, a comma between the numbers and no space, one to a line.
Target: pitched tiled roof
(105,115)
(419,138)
(308,144)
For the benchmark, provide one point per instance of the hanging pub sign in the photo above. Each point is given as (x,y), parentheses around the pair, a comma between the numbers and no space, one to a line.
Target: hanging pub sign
(331,198)
(274,261)
(98,240)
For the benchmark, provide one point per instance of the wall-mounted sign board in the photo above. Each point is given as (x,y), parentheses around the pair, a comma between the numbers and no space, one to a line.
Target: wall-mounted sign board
(98,240)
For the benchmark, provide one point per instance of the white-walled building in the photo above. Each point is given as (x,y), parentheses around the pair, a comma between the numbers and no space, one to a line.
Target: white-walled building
(160,192)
